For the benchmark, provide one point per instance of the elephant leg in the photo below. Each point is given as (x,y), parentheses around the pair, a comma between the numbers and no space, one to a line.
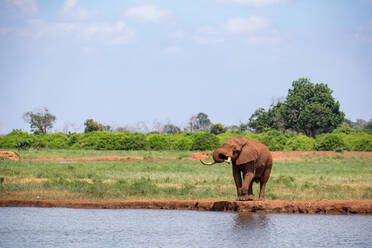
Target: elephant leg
(250,191)
(263,182)
(238,180)
(245,189)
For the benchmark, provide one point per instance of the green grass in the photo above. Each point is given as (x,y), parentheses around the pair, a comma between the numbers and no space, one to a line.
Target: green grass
(33,153)
(315,178)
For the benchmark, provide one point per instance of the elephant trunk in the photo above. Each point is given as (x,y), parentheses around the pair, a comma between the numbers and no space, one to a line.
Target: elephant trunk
(218,157)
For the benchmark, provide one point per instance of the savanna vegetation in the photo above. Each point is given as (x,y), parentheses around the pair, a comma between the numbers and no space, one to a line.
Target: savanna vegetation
(341,139)
(174,177)
(309,118)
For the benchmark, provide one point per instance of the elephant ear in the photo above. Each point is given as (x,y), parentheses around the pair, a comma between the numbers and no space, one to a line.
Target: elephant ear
(249,153)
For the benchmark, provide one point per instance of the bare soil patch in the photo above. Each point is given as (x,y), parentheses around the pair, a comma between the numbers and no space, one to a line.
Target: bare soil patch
(9,155)
(85,159)
(302,155)
(277,156)
(198,156)
(268,206)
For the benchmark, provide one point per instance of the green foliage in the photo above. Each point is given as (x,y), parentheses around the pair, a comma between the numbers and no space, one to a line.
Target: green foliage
(186,141)
(331,142)
(158,142)
(368,127)
(39,121)
(181,142)
(53,141)
(204,141)
(273,139)
(300,143)
(310,108)
(344,129)
(15,139)
(359,141)
(218,128)
(23,143)
(260,121)
(91,126)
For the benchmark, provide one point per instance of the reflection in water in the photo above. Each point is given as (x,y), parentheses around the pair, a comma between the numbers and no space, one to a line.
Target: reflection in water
(60,227)
(250,220)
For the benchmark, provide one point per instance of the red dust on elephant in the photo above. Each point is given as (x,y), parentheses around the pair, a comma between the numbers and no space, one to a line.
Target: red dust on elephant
(251,162)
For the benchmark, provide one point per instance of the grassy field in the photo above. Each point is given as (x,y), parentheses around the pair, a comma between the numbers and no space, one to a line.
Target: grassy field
(314,178)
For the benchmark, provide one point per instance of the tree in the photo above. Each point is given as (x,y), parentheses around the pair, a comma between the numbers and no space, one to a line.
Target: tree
(199,122)
(170,129)
(40,121)
(218,128)
(310,108)
(261,120)
(91,126)
(368,127)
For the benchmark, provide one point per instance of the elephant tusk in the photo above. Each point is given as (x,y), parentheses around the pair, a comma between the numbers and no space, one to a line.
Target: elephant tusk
(205,163)
(228,160)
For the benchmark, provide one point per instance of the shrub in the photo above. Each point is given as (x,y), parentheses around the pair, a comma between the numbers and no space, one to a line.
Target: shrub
(204,141)
(273,139)
(156,141)
(54,141)
(131,141)
(331,142)
(344,129)
(15,138)
(181,142)
(218,128)
(359,141)
(23,143)
(300,143)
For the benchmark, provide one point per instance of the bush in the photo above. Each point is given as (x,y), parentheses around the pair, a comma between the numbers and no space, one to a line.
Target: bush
(15,138)
(131,141)
(273,139)
(359,141)
(157,141)
(344,129)
(331,142)
(181,142)
(53,141)
(23,143)
(300,143)
(204,141)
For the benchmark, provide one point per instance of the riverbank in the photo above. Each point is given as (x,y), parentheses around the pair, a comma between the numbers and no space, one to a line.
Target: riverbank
(267,206)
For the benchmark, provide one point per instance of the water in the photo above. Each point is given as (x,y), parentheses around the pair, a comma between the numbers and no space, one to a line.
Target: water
(62,227)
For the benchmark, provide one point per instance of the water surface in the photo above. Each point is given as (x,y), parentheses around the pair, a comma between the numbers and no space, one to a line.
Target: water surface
(62,227)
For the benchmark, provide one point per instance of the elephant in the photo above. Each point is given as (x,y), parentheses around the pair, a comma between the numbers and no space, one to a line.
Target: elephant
(250,159)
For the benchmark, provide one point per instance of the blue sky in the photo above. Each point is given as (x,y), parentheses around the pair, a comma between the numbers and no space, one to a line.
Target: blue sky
(137,63)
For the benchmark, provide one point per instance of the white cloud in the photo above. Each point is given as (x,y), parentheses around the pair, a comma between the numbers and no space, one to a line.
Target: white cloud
(71,9)
(251,24)
(147,13)
(254,3)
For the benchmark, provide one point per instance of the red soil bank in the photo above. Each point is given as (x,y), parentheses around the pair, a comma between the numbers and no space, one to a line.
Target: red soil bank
(268,206)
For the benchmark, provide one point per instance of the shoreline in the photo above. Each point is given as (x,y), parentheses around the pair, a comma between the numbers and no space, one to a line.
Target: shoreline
(348,207)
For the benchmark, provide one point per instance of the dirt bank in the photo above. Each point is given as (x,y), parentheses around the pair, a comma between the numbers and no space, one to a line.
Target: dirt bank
(268,206)
(85,159)
(9,155)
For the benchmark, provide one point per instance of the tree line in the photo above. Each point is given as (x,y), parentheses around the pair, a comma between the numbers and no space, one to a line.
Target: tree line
(309,109)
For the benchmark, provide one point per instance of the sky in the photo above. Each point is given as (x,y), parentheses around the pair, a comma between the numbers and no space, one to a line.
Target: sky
(138,63)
